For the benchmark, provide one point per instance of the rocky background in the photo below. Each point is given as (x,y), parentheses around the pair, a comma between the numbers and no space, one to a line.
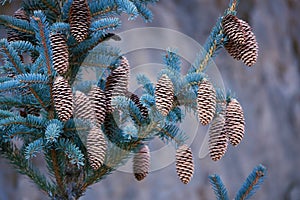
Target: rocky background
(269,93)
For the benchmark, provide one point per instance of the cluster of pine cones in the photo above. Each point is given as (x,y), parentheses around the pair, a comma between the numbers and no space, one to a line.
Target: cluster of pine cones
(226,127)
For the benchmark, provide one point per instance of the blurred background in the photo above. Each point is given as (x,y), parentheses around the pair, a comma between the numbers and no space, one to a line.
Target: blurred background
(269,93)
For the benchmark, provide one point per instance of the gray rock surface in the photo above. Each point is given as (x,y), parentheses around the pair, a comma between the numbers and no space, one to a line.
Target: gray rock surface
(269,93)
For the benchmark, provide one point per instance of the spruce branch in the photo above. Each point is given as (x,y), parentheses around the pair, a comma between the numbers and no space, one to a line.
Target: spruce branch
(53,7)
(252,183)
(57,171)
(74,144)
(103,12)
(20,25)
(12,56)
(17,159)
(42,34)
(214,41)
(218,187)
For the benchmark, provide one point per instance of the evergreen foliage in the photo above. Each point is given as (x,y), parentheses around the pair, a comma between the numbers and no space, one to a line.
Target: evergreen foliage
(85,130)
(252,183)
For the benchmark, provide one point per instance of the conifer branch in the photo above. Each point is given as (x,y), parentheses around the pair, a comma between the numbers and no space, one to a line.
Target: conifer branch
(21,71)
(233,5)
(252,183)
(48,63)
(208,56)
(37,97)
(23,28)
(104,12)
(18,160)
(56,169)
(215,39)
(50,7)
(71,139)
(12,60)
(218,187)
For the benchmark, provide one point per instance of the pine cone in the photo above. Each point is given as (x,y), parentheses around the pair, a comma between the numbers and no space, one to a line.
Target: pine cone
(164,95)
(141,163)
(60,53)
(96,147)
(136,100)
(217,141)
(98,103)
(241,44)
(117,82)
(80,19)
(184,163)
(232,27)
(234,122)
(249,50)
(82,107)
(206,102)
(14,35)
(63,98)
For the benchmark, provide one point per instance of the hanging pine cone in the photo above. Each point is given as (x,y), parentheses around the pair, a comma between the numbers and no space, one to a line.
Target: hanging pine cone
(164,95)
(98,103)
(184,163)
(63,98)
(241,44)
(82,107)
(80,19)
(117,82)
(206,102)
(136,100)
(234,122)
(141,163)
(232,27)
(96,147)
(60,53)
(217,141)
(249,50)
(14,35)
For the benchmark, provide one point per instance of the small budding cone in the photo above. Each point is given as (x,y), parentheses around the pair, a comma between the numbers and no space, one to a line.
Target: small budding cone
(184,164)
(234,122)
(60,53)
(82,107)
(141,163)
(217,141)
(206,102)
(117,82)
(63,98)
(98,103)
(14,35)
(164,95)
(232,27)
(80,19)
(96,147)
